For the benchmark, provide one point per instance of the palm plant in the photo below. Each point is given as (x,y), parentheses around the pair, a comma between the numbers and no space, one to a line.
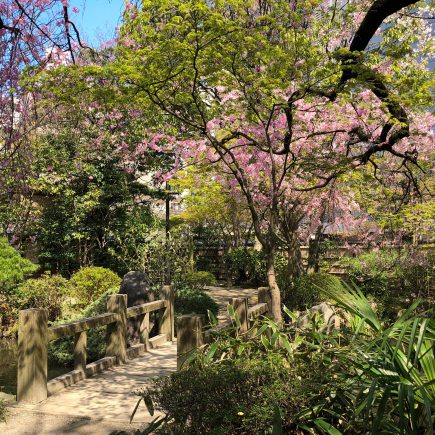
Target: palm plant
(395,363)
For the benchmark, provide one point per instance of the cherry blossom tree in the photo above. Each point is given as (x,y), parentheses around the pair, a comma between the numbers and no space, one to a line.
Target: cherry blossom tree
(287,97)
(34,34)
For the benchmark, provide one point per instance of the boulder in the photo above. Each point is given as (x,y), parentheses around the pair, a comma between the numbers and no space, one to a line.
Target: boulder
(327,312)
(137,287)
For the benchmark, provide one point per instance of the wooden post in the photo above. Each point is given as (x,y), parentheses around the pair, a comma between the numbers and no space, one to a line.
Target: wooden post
(32,356)
(190,335)
(264,296)
(241,310)
(166,325)
(116,335)
(144,331)
(80,351)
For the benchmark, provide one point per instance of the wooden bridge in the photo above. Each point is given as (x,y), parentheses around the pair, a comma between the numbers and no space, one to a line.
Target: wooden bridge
(99,397)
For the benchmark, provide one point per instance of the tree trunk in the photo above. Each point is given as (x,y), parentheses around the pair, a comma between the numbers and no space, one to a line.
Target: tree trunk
(313,255)
(274,289)
(294,259)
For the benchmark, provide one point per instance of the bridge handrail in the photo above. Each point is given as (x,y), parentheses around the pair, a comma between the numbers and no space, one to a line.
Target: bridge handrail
(72,328)
(34,336)
(190,328)
(149,307)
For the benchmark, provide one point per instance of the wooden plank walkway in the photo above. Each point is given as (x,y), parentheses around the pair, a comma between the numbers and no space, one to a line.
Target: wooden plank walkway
(104,403)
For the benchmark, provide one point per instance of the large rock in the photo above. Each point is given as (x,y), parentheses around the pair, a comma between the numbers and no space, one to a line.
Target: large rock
(137,287)
(329,317)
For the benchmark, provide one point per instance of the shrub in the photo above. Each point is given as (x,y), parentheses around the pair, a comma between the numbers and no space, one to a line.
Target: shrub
(48,291)
(393,278)
(198,279)
(90,283)
(233,397)
(13,267)
(3,411)
(188,301)
(62,351)
(246,266)
(306,291)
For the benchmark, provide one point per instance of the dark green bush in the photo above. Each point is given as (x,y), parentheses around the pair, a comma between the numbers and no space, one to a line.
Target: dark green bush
(234,397)
(62,351)
(188,301)
(246,266)
(13,267)
(306,291)
(89,283)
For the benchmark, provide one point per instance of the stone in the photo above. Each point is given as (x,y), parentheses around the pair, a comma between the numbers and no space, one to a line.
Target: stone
(327,313)
(137,287)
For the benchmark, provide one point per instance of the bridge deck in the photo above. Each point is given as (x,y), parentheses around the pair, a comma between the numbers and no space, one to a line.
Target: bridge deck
(97,405)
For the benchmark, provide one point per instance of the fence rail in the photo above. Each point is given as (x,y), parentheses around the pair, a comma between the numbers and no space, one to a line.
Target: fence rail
(34,336)
(192,335)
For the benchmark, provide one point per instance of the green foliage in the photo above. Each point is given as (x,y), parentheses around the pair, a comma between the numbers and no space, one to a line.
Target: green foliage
(393,278)
(157,252)
(247,265)
(3,411)
(48,291)
(305,292)
(93,213)
(221,399)
(61,351)
(90,283)
(13,267)
(188,301)
(198,279)
(370,377)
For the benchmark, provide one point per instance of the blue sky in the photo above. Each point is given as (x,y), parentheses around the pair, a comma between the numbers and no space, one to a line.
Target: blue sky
(97,19)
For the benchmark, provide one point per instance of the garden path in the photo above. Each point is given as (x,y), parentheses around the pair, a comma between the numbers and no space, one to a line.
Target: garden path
(104,403)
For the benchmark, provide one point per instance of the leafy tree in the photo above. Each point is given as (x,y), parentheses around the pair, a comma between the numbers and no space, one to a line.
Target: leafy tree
(287,97)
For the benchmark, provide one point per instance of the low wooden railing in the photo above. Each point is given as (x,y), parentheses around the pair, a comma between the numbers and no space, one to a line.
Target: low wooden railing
(34,336)
(190,328)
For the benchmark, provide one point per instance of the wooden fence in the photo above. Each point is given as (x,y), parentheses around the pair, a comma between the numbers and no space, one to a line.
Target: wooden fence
(190,328)
(34,336)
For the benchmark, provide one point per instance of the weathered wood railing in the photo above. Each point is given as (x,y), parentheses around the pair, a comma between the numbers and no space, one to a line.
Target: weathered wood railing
(190,328)
(34,336)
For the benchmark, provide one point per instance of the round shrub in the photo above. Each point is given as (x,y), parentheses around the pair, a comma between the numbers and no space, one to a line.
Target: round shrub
(199,279)
(90,283)
(48,291)
(189,301)
(307,291)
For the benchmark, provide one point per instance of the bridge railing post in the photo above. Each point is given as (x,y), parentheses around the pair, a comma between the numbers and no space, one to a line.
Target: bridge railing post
(166,325)
(264,296)
(32,355)
(241,310)
(190,336)
(116,334)
(80,351)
